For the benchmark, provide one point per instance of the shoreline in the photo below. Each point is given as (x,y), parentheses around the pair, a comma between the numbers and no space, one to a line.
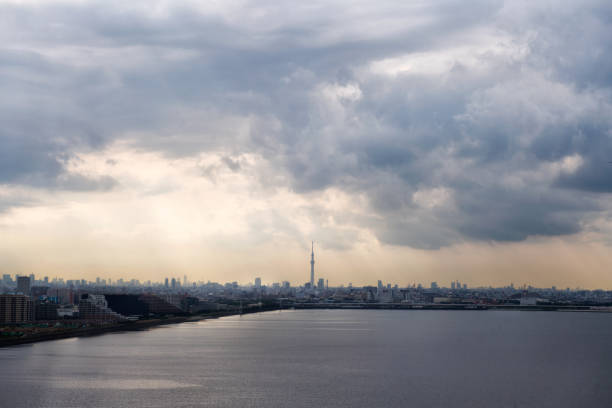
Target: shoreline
(121,327)
(152,323)
(454,306)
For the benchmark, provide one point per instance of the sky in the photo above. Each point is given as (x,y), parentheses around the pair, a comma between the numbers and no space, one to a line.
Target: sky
(413,141)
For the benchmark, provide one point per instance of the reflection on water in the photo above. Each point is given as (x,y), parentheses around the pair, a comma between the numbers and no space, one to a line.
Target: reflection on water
(116,384)
(329,358)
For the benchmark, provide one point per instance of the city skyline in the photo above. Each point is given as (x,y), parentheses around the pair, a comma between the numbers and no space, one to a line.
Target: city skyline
(330,203)
(414,141)
(174,282)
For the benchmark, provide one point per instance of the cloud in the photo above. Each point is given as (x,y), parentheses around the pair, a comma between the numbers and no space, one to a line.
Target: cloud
(447,122)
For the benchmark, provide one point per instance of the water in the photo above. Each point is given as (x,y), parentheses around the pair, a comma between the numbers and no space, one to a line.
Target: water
(328,358)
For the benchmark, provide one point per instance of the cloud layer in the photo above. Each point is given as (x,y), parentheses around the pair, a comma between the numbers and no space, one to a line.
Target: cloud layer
(438,122)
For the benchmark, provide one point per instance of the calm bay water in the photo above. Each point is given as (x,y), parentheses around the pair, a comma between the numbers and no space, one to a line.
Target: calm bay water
(328,358)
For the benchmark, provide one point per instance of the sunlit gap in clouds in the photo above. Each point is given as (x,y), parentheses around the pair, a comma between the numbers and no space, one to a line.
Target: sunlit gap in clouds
(415,141)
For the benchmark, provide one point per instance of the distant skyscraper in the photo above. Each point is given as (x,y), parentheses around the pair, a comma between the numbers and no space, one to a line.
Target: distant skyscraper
(312,266)
(321,284)
(23,285)
(434,285)
(166,283)
(173,283)
(258,283)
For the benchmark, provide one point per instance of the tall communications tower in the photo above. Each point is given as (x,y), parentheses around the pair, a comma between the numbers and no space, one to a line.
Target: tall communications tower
(312,266)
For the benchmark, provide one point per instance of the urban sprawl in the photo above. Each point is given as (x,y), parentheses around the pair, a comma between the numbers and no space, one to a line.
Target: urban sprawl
(39,309)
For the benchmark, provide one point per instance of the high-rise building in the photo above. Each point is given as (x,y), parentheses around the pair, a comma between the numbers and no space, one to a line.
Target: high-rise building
(257,283)
(95,307)
(16,308)
(173,283)
(312,262)
(23,285)
(321,284)
(434,285)
(45,310)
(166,283)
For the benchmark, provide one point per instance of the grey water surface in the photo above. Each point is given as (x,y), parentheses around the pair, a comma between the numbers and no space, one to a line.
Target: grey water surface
(326,358)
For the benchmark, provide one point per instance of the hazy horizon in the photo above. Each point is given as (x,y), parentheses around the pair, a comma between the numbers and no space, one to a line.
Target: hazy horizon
(413,141)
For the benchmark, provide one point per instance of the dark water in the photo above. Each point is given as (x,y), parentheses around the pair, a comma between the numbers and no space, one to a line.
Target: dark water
(342,358)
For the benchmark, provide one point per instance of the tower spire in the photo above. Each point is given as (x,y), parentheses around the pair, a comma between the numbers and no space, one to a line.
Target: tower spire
(312,262)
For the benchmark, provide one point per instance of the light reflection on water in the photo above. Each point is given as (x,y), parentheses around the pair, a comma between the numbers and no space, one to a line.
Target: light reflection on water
(331,358)
(117,384)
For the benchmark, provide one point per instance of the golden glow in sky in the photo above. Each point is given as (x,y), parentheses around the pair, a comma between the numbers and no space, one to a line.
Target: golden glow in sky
(413,141)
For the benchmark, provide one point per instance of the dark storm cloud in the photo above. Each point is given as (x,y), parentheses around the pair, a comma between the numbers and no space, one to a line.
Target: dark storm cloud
(504,106)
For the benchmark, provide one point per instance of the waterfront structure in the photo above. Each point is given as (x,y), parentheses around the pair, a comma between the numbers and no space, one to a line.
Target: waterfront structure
(68,311)
(160,306)
(312,262)
(23,285)
(95,307)
(45,310)
(16,309)
(527,300)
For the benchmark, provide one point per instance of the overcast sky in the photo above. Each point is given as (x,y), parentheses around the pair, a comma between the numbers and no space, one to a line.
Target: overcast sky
(414,141)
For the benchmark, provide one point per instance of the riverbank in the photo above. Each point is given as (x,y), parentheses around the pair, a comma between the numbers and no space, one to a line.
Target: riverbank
(151,323)
(451,306)
(121,327)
